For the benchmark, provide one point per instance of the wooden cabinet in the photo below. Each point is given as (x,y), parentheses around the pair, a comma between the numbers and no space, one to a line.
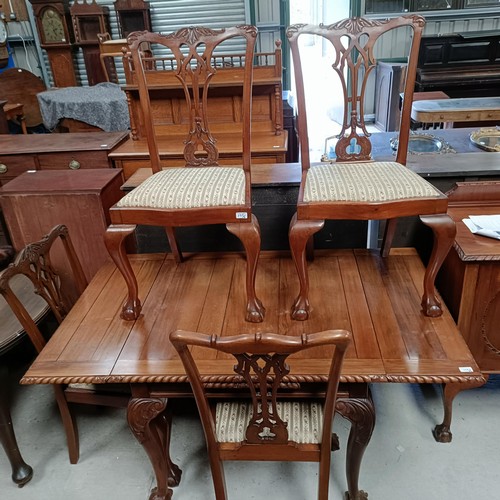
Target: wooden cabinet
(461,65)
(20,153)
(35,202)
(469,280)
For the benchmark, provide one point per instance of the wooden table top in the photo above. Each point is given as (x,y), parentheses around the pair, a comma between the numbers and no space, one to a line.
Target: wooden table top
(471,161)
(471,247)
(379,301)
(460,109)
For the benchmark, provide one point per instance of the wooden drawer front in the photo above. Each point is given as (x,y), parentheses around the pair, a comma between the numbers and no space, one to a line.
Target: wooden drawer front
(130,166)
(269,158)
(74,160)
(12,166)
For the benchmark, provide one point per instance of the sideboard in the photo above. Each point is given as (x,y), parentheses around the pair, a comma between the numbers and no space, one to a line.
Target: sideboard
(469,280)
(20,153)
(170,116)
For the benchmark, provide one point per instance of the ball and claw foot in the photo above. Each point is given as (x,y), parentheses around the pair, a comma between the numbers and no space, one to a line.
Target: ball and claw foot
(131,310)
(23,475)
(300,309)
(432,307)
(155,496)
(442,434)
(175,477)
(362,495)
(255,312)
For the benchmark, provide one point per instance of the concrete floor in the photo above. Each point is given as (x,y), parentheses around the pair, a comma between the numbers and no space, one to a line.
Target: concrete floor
(402,461)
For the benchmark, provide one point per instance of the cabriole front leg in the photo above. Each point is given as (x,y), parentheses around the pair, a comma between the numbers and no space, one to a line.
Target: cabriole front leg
(360,411)
(299,233)
(442,432)
(114,238)
(249,234)
(151,425)
(444,230)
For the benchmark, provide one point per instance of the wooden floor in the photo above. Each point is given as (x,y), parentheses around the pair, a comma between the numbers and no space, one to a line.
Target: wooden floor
(378,300)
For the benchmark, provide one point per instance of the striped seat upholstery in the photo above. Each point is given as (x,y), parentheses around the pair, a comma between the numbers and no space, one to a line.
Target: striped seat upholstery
(365,182)
(305,420)
(189,187)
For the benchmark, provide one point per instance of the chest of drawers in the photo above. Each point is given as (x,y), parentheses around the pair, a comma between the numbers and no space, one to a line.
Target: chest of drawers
(20,153)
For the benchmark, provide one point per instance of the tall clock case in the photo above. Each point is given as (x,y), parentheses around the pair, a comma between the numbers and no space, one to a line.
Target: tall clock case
(132,15)
(53,25)
(4,51)
(53,21)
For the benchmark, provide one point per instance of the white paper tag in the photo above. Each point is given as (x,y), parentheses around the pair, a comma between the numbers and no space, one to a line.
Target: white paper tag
(241,215)
(465,369)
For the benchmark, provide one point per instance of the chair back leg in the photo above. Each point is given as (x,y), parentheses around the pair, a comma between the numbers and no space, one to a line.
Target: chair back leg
(21,471)
(69,424)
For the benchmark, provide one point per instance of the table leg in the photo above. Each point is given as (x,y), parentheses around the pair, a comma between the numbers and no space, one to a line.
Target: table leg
(360,411)
(441,432)
(151,423)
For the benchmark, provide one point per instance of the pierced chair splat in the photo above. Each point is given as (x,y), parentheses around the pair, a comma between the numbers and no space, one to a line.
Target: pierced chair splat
(354,186)
(266,426)
(200,191)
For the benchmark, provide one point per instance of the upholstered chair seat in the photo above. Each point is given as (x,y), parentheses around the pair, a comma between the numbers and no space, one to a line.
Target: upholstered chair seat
(304,419)
(182,188)
(365,182)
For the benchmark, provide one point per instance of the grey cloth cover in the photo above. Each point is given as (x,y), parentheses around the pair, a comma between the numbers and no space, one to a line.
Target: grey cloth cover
(103,105)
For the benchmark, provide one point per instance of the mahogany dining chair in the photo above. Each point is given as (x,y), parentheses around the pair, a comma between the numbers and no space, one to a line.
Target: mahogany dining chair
(265,423)
(199,190)
(353,185)
(41,280)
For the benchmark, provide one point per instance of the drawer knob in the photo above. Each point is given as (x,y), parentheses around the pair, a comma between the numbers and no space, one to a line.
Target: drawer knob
(3,168)
(74,165)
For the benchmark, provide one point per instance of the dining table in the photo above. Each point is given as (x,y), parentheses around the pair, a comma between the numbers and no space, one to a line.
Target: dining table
(377,299)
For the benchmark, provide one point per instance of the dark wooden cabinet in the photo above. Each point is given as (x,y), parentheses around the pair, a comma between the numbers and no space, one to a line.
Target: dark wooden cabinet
(461,65)
(35,202)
